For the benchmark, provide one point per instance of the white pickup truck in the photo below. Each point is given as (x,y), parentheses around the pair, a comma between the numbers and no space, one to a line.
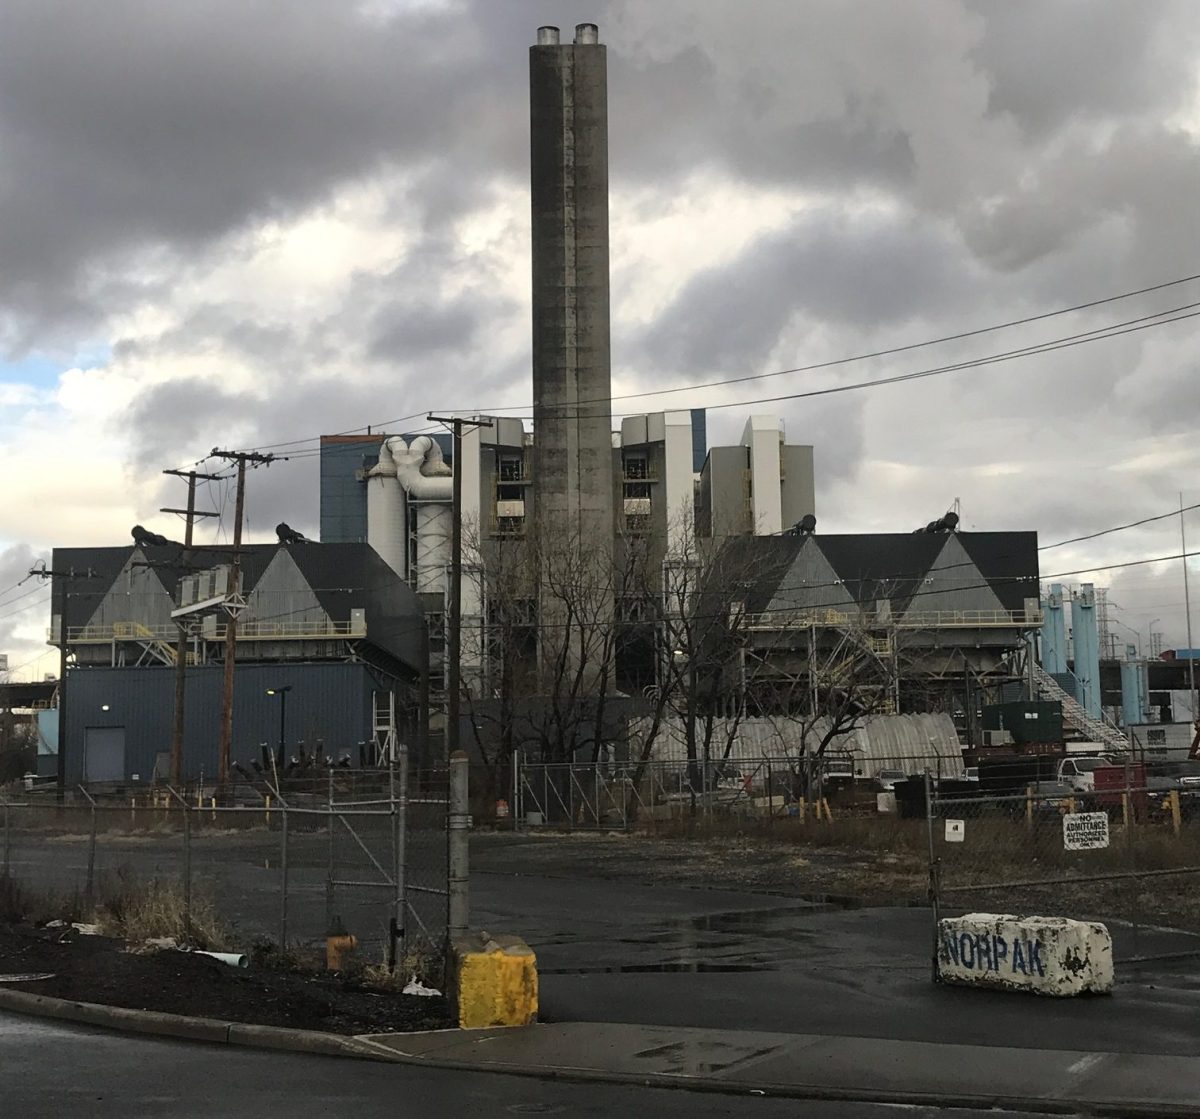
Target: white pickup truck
(1079,774)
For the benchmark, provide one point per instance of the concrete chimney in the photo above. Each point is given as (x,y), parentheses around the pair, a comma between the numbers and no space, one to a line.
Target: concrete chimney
(572,449)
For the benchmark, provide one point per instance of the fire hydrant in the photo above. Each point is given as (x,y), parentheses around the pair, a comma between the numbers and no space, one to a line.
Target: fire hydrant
(338,945)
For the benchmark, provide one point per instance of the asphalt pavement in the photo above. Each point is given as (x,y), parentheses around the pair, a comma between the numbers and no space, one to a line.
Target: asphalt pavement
(53,1071)
(624,951)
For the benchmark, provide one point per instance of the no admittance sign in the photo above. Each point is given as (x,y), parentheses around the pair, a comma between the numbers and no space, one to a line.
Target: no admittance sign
(1085,831)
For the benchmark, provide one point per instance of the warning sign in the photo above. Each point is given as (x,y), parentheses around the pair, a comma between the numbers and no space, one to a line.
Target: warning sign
(955,831)
(1085,831)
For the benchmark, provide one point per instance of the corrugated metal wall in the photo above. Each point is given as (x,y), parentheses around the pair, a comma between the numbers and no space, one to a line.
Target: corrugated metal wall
(905,742)
(328,702)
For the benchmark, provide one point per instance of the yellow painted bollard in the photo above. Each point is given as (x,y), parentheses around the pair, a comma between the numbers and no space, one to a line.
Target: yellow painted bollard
(1125,809)
(1176,814)
(267,810)
(133,812)
(212,804)
(802,805)
(1029,807)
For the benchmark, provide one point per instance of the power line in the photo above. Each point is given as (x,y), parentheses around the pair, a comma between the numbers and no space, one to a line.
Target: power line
(1120,528)
(904,349)
(29,606)
(811,367)
(26,594)
(1112,330)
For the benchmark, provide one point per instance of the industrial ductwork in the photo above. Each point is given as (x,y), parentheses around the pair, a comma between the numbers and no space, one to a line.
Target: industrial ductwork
(411,474)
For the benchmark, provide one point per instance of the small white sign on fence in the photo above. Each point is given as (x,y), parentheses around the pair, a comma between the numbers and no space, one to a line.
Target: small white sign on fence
(1085,831)
(956,831)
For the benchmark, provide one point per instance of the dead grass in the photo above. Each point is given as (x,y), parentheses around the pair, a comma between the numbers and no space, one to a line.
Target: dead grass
(138,910)
(21,905)
(415,963)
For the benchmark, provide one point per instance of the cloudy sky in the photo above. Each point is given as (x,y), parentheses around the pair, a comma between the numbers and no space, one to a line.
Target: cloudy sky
(245,222)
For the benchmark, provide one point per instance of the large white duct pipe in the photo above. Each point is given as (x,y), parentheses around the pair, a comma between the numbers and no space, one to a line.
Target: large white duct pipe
(419,467)
(387,515)
(415,472)
(434,525)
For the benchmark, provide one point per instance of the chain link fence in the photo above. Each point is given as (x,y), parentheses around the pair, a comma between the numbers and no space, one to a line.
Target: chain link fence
(653,794)
(284,862)
(1102,844)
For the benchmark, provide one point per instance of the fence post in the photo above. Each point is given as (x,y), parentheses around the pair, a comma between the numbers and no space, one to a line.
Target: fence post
(459,824)
(933,876)
(7,839)
(1130,812)
(770,797)
(283,877)
(329,899)
(187,872)
(400,852)
(89,889)
(1176,816)
(516,791)
(187,859)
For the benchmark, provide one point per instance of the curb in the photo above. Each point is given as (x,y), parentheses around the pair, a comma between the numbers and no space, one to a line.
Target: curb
(211,1030)
(184,1027)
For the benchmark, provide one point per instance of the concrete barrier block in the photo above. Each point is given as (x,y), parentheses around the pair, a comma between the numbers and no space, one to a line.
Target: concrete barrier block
(1041,955)
(496,982)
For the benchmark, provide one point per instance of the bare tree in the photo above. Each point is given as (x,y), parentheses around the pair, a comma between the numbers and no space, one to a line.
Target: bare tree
(696,597)
(549,646)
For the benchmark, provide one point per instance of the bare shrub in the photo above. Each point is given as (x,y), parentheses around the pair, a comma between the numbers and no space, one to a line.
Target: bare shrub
(139,910)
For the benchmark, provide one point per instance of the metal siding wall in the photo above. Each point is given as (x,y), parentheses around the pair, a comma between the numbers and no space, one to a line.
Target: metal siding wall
(330,701)
(699,439)
(343,497)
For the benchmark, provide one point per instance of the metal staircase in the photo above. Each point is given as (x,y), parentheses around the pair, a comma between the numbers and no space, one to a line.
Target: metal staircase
(1096,730)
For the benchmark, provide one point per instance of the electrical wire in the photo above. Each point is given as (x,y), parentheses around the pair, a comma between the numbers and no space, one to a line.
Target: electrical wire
(1120,528)
(27,607)
(811,367)
(31,591)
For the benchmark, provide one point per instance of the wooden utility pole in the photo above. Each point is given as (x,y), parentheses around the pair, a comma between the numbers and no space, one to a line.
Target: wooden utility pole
(233,605)
(189,514)
(454,620)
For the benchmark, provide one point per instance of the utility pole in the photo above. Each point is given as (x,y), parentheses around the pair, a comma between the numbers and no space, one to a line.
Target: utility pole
(1187,611)
(233,605)
(454,622)
(67,577)
(189,514)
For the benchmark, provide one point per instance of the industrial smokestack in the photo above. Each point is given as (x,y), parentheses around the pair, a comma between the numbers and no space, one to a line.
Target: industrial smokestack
(568,102)
(572,449)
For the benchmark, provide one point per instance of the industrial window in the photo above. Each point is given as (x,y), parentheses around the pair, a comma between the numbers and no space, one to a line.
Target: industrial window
(512,468)
(636,467)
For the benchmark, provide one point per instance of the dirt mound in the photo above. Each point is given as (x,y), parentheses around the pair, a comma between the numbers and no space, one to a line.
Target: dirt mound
(99,969)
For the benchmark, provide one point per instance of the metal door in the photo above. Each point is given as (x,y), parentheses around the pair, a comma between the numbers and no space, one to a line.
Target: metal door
(104,754)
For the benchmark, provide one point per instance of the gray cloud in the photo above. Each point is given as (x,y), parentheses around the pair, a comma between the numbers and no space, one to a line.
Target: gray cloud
(952,164)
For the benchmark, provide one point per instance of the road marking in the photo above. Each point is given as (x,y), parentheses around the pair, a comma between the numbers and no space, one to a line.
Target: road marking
(1084,1064)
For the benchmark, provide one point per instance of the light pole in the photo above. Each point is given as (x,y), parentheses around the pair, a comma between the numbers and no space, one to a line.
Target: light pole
(283,694)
